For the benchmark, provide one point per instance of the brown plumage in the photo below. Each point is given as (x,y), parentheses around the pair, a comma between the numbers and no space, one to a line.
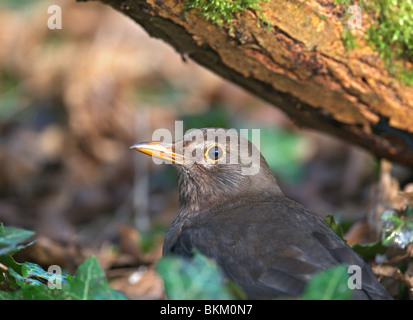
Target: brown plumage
(266,243)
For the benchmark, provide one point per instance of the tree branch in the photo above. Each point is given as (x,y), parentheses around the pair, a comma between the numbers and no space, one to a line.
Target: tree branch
(300,65)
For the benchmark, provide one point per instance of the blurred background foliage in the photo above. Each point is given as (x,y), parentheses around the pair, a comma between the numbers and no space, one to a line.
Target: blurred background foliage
(73,100)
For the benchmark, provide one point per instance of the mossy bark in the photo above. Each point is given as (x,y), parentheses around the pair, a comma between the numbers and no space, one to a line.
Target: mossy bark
(300,65)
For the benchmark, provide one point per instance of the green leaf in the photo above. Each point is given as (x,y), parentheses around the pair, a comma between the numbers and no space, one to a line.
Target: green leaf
(90,283)
(33,289)
(11,239)
(333,224)
(195,279)
(397,228)
(11,295)
(331,284)
(369,250)
(22,281)
(29,281)
(35,272)
(9,262)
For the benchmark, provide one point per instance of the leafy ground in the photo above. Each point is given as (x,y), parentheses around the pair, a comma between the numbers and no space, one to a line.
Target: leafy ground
(72,101)
(198,279)
(30,282)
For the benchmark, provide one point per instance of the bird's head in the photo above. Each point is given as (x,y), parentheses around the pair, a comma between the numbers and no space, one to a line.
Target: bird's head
(214,165)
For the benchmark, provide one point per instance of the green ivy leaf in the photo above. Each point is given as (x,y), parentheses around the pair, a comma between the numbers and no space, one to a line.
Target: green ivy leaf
(329,285)
(29,281)
(7,261)
(35,272)
(11,239)
(196,279)
(90,283)
(369,250)
(335,226)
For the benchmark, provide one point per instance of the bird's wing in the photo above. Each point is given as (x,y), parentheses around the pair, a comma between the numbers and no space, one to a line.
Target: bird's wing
(268,248)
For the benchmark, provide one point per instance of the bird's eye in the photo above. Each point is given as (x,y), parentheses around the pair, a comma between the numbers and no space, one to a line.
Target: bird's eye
(214,153)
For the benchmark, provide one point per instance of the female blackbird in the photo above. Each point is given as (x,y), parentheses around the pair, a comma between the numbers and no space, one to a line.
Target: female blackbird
(232,210)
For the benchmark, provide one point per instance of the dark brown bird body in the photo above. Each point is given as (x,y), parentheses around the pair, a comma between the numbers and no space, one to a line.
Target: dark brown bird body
(270,246)
(266,243)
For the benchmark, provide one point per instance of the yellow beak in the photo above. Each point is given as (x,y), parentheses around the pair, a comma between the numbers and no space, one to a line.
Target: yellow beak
(159,150)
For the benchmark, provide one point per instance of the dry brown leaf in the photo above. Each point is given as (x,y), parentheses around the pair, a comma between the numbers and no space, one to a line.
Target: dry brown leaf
(129,243)
(359,233)
(408,196)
